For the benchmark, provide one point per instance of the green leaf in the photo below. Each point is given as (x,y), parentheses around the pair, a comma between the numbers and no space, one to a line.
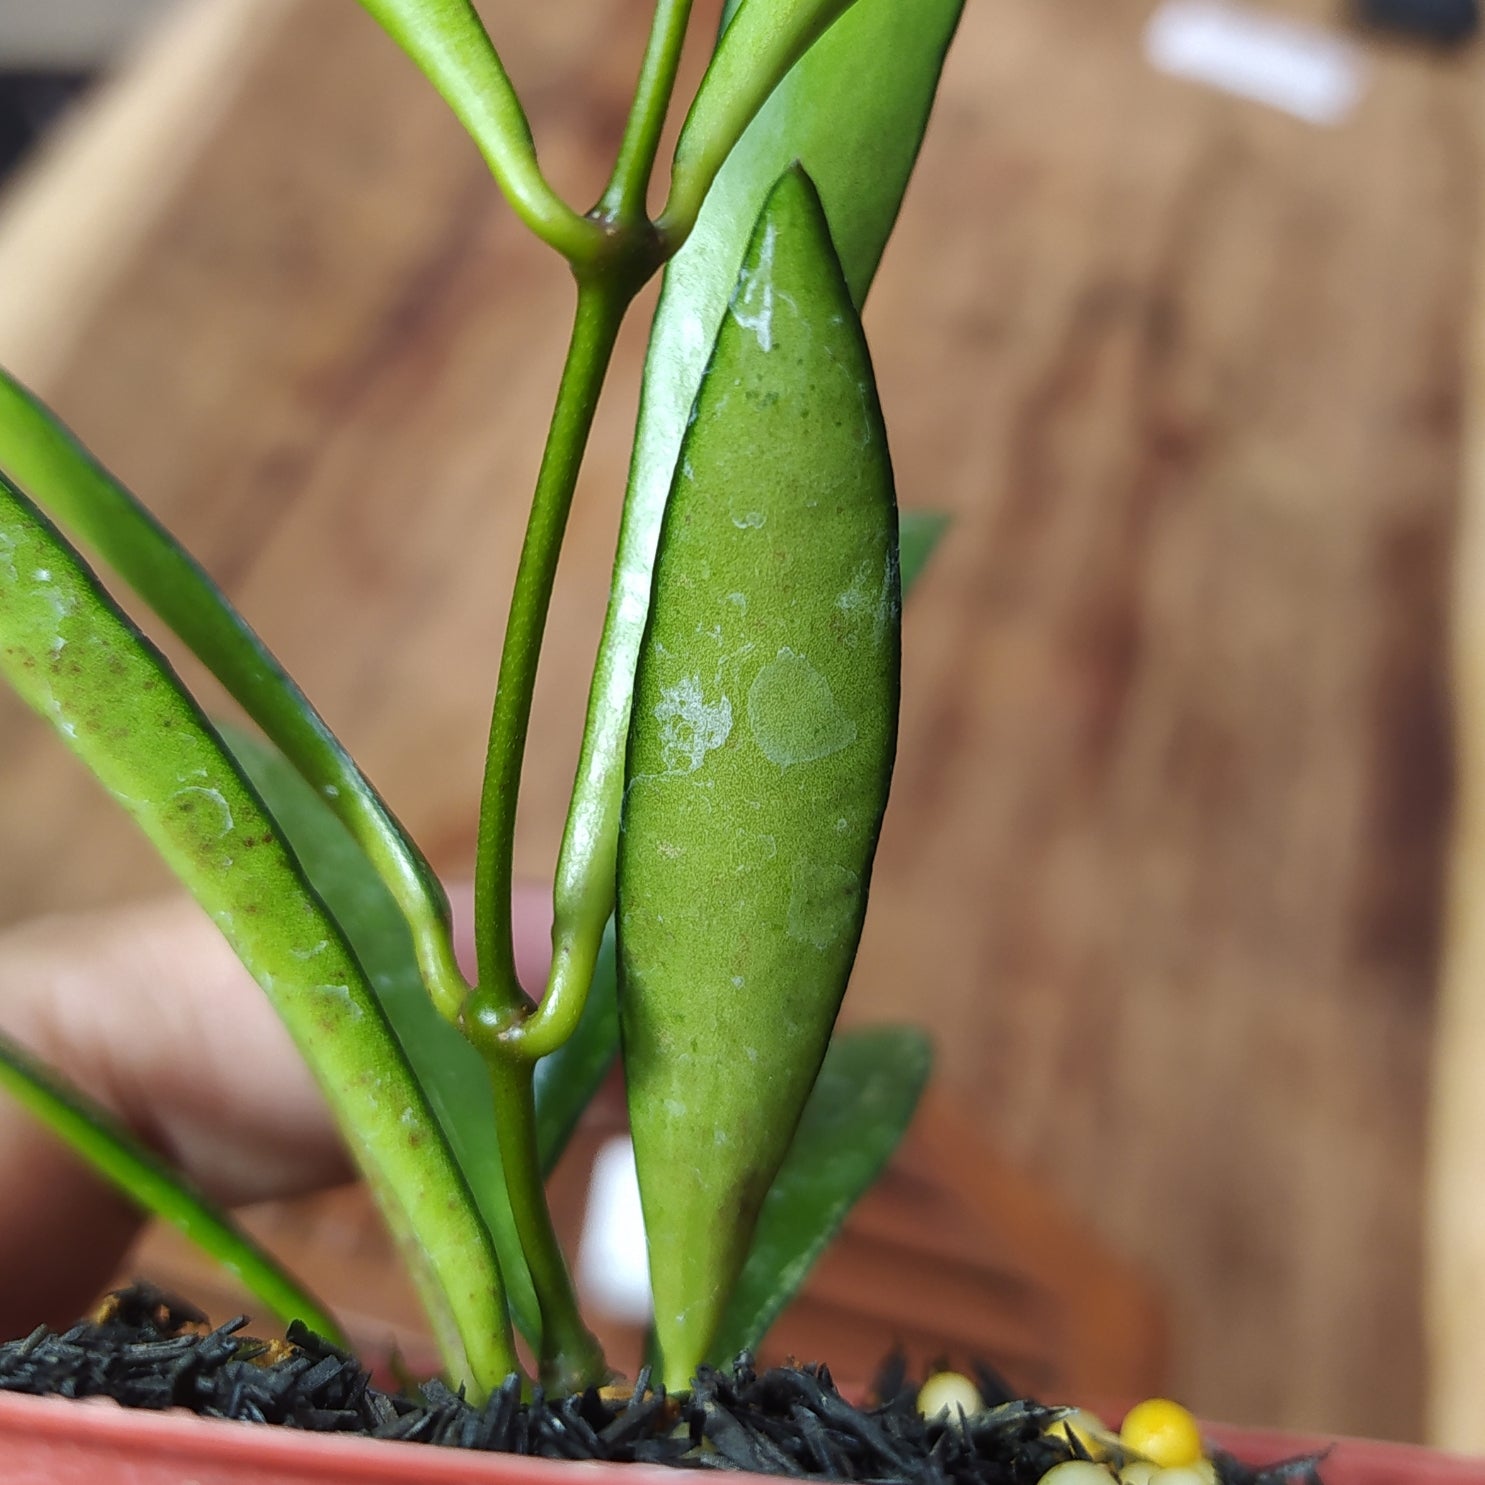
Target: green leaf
(919,532)
(853,111)
(74,657)
(104,1143)
(567,1079)
(764,726)
(858,1112)
(759,42)
(449,1070)
(46,461)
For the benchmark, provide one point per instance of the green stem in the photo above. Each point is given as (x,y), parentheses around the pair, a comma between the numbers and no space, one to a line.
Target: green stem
(580,917)
(624,198)
(571,1358)
(584,887)
(498,1000)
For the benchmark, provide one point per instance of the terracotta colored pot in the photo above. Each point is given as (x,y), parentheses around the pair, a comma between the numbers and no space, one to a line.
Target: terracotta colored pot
(1353,1461)
(50,1441)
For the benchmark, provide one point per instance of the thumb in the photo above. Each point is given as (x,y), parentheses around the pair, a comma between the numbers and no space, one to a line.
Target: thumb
(148,1011)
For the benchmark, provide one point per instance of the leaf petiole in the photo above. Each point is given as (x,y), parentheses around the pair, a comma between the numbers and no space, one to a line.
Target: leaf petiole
(623,200)
(449,43)
(498,1001)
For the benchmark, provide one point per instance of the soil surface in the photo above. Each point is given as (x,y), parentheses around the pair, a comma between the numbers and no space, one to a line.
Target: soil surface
(147,1350)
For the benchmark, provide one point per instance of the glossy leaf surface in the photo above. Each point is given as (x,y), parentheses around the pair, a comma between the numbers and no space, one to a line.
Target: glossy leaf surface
(448,1068)
(75,659)
(567,1080)
(101,1140)
(756,48)
(759,756)
(857,1114)
(853,111)
(49,464)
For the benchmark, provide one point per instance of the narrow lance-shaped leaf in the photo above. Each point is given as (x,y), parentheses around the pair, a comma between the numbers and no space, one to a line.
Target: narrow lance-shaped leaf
(567,1079)
(858,1111)
(752,56)
(447,1067)
(860,1108)
(49,464)
(101,1140)
(75,658)
(761,745)
(852,111)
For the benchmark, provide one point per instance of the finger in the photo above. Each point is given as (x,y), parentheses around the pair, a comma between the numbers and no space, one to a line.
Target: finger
(63,1237)
(148,1010)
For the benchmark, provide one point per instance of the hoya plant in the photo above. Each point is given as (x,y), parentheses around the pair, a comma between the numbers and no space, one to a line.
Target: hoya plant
(738,745)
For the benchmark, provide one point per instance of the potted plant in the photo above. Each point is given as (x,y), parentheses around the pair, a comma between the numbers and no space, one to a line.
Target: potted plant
(734,767)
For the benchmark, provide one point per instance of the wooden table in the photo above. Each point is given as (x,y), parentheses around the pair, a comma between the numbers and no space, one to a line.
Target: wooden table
(1165,857)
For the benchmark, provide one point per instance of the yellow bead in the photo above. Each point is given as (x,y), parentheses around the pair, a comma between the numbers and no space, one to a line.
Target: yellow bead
(949,1392)
(1077,1472)
(1087,1428)
(1163,1432)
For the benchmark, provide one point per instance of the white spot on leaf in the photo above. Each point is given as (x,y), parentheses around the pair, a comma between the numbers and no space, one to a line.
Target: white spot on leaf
(793,712)
(690,726)
(344,1000)
(213,797)
(752,303)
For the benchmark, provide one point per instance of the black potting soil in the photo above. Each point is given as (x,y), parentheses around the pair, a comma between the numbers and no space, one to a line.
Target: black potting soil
(146,1350)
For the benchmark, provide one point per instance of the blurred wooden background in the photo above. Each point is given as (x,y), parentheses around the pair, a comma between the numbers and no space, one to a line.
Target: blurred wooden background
(1166,852)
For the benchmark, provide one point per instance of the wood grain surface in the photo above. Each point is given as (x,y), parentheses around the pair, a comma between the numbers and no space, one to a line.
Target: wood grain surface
(1164,860)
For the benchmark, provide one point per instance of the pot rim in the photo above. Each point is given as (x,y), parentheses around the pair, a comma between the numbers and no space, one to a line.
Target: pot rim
(183,1438)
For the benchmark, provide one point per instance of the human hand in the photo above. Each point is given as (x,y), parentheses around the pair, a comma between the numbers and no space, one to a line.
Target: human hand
(148,1011)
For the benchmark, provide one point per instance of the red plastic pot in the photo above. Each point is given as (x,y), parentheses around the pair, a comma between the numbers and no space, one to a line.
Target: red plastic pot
(50,1441)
